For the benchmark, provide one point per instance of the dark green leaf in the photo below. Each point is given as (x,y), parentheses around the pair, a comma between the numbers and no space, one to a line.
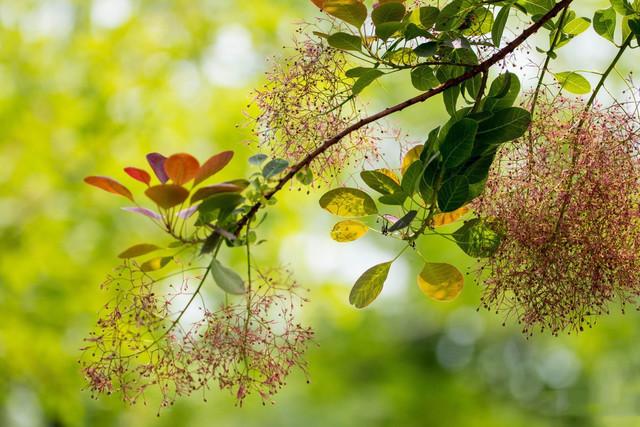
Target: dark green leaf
(500,23)
(423,79)
(428,16)
(388,12)
(257,159)
(457,145)
(345,41)
(380,182)
(427,49)
(505,125)
(477,238)
(411,177)
(386,30)
(453,194)
(274,168)
(503,92)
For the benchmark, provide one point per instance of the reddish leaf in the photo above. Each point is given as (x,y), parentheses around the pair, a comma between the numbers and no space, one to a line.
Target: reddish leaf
(181,168)
(319,3)
(156,161)
(138,250)
(167,195)
(109,184)
(139,175)
(210,190)
(143,211)
(212,166)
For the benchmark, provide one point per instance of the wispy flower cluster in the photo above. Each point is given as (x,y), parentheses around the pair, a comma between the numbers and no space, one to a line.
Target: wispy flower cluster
(307,100)
(567,196)
(142,343)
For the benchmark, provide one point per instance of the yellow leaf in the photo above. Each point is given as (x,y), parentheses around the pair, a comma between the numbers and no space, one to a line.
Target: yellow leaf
(348,231)
(391,174)
(411,156)
(441,282)
(348,202)
(446,218)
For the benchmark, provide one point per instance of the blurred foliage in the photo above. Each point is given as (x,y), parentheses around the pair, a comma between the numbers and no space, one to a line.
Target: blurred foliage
(86,85)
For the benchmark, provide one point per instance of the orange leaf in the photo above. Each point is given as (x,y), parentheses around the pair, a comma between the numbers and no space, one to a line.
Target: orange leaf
(210,190)
(446,218)
(109,184)
(391,174)
(213,166)
(167,195)
(411,156)
(181,168)
(138,175)
(319,3)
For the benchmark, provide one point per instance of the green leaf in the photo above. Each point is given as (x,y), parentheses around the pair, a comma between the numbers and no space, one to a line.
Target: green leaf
(622,7)
(353,12)
(481,22)
(257,159)
(577,26)
(499,25)
(365,80)
(604,23)
(380,182)
(305,176)
(450,17)
(403,222)
(369,285)
(440,282)
(396,199)
(503,92)
(537,7)
(477,239)
(411,177)
(218,207)
(356,72)
(274,168)
(427,49)
(227,279)
(453,194)
(423,79)
(138,250)
(428,16)
(386,30)
(458,143)
(573,82)
(344,41)
(155,264)
(504,126)
(450,98)
(388,12)
(348,202)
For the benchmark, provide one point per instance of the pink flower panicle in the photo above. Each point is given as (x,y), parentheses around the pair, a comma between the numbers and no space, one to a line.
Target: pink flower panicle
(246,347)
(307,100)
(567,197)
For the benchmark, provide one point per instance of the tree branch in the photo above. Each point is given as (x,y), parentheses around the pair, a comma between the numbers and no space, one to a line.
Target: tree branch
(478,69)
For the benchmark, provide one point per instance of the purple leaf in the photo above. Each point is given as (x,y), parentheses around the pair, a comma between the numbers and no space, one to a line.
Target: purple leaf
(186,213)
(156,161)
(144,211)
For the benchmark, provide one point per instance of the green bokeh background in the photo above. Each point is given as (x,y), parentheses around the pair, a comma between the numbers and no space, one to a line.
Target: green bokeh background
(88,87)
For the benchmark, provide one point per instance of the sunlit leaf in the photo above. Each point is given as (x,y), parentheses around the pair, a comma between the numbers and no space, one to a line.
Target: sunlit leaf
(305,176)
(477,238)
(110,185)
(365,80)
(212,166)
(210,190)
(604,23)
(411,156)
(441,282)
(499,25)
(139,175)
(348,231)
(167,195)
(573,82)
(353,12)
(345,41)
(227,279)
(380,182)
(156,161)
(348,202)
(143,211)
(181,168)
(138,250)
(442,219)
(577,26)
(369,285)
(155,264)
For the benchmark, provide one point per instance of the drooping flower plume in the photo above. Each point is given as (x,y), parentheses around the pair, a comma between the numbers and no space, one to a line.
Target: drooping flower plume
(306,100)
(567,199)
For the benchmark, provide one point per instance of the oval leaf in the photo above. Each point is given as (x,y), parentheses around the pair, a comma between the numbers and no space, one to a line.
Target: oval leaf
(156,161)
(442,219)
(110,185)
(212,166)
(457,145)
(380,182)
(477,238)
(411,156)
(348,202)
(227,279)
(139,175)
(441,282)
(138,250)
(353,12)
(453,194)
(344,41)
(143,211)
(210,190)
(369,285)
(573,82)
(155,264)
(274,168)
(181,168)
(348,231)
(167,195)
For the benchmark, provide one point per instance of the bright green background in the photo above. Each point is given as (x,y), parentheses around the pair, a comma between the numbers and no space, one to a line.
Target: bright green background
(86,92)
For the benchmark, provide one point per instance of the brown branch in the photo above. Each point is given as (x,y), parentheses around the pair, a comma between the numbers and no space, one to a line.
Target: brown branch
(478,69)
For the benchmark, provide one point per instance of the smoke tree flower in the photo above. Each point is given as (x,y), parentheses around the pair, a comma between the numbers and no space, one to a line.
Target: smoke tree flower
(567,199)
